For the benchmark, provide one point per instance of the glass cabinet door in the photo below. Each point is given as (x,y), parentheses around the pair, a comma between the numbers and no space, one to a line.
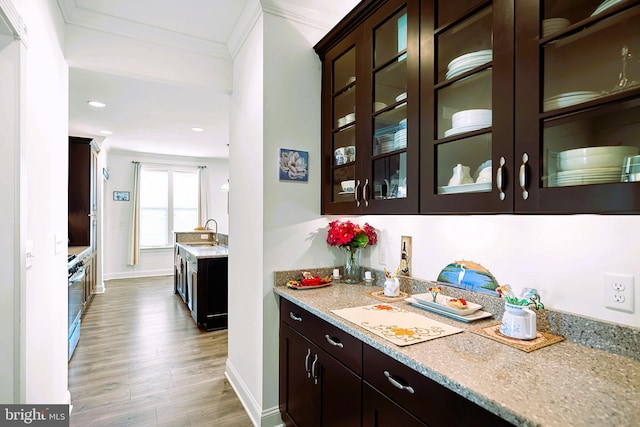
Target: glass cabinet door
(586,125)
(390,173)
(341,159)
(460,159)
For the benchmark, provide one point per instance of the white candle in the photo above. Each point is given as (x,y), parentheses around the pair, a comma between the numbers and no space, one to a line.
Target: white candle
(367,275)
(335,272)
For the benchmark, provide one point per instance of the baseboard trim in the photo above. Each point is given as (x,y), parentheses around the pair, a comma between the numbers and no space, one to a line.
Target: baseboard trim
(263,418)
(137,274)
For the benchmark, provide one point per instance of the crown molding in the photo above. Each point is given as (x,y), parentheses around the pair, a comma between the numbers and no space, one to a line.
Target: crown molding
(80,17)
(10,15)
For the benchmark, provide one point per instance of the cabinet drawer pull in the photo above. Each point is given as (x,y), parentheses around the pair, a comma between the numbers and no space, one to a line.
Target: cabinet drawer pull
(294,317)
(364,192)
(500,178)
(313,369)
(355,193)
(523,176)
(397,384)
(306,363)
(334,343)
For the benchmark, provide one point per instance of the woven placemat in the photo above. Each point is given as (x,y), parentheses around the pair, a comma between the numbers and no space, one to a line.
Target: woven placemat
(379,295)
(542,339)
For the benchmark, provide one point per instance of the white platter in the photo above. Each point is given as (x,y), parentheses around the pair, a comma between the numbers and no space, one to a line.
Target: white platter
(605,5)
(461,129)
(465,188)
(466,56)
(472,317)
(441,304)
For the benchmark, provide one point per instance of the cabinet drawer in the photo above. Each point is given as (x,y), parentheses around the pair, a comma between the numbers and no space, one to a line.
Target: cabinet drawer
(339,344)
(431,402)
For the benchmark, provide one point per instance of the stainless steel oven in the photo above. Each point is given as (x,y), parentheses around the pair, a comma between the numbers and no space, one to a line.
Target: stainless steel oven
(76,275)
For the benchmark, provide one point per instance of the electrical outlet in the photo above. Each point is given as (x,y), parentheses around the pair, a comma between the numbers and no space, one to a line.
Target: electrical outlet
(618,292)
(383,256)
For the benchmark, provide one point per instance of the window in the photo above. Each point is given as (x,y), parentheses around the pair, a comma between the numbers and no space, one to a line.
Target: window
(168,201)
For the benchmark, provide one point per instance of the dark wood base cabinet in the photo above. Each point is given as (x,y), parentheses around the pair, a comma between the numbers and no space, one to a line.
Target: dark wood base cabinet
(330,378)
(209,293)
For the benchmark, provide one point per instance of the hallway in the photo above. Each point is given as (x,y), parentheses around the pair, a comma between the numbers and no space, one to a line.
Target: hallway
(141,361)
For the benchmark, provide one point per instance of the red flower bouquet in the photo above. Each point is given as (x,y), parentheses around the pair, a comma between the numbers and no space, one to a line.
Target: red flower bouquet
(346,233)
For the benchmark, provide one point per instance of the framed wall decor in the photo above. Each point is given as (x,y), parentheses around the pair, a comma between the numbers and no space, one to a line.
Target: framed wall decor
(294,165)
(121,196)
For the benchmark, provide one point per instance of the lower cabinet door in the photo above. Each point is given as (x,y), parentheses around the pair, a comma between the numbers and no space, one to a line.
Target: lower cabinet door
(379,411)
(315,389)
(297,390)
(340,392)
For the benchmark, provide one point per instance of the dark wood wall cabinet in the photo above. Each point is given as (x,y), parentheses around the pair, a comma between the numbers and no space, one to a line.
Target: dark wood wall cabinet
(330,378)
(80,183)
(479,106)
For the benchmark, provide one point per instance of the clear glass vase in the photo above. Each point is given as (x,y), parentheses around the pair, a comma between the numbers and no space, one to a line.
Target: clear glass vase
(352,265)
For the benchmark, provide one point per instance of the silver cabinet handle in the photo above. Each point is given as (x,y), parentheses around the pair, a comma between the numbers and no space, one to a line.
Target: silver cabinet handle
(364,192)
(306,363)
(355,193)
(523,176)
(313,369)
(500,178)
(334,343)
(294,317)
(397,384)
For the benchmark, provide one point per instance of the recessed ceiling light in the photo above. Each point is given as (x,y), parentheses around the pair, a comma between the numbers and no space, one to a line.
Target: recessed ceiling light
(106,132)
(97,104)
(197,129)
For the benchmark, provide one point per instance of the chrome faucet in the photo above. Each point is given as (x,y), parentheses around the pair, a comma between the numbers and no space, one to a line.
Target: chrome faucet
(215,239)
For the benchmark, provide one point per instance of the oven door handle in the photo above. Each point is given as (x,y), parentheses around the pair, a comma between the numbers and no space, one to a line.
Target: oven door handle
(77,276)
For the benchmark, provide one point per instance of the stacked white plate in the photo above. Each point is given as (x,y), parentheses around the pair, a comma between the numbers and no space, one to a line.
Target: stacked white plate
(568,99)
(553,25)
(469,120)
(588,176)
(400,139)
(385,143)
(592,165)
(605,5)
(468,61)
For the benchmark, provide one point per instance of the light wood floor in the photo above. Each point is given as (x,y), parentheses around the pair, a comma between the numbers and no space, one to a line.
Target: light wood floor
(141,361)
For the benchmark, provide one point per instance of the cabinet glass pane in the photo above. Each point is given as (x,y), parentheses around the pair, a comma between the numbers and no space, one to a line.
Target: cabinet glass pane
(344,70)
(390,177)
(450,10)
(343,183)
(572,76)
(390,39)
(390,84)
(558,12)
(344,107)
(390,131)
(466,46)
(344,146)
(592,149)
(465,105)
(464,166)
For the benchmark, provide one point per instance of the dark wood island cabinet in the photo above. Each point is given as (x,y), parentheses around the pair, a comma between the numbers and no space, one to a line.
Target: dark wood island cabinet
(201,280)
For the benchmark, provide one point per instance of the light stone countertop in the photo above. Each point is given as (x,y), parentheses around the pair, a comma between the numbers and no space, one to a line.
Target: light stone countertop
(564,384)
(206,251)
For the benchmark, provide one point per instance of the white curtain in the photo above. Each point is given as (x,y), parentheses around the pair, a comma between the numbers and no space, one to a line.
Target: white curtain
(134,230)
(203,195)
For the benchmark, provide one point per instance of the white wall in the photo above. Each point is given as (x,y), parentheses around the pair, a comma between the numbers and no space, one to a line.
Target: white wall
(246,249)
(116,225)
(44,297)
(564,257)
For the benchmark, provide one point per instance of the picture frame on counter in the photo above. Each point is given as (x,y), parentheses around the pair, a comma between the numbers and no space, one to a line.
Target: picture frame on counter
(121,196)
